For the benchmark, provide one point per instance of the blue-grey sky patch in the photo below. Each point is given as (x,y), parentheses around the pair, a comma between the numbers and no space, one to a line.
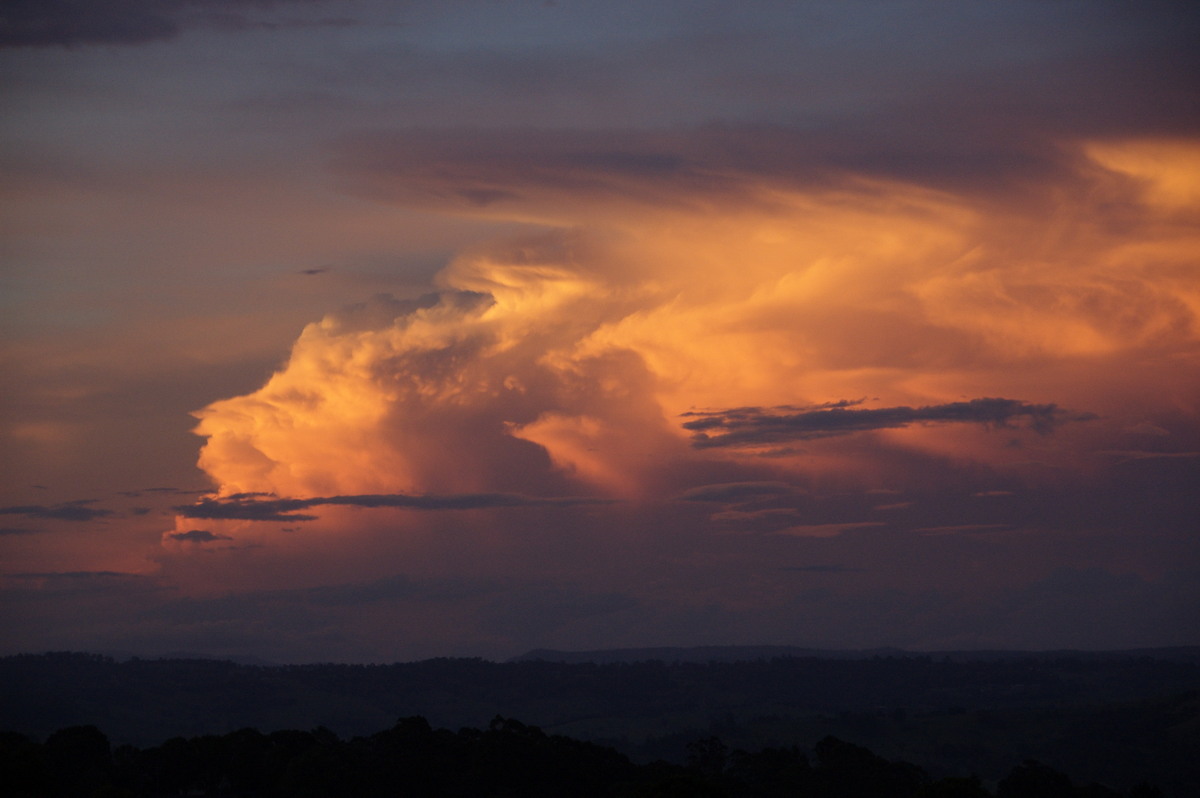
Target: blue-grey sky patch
(76,23)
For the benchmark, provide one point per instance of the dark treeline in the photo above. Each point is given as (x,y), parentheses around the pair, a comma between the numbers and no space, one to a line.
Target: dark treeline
(1114,720)
(509,758)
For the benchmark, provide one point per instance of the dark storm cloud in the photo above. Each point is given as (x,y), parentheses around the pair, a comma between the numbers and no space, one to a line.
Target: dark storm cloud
(70,511)
(48,23)
(753,426)
(198,536)
(251,507)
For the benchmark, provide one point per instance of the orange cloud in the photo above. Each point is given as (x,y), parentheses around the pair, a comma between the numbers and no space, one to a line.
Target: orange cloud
(564,364)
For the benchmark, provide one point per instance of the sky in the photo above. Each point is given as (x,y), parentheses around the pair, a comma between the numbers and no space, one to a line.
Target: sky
(368,331)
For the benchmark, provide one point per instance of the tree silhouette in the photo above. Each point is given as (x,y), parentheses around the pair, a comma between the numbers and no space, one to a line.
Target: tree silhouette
(80,758)
(1034,780)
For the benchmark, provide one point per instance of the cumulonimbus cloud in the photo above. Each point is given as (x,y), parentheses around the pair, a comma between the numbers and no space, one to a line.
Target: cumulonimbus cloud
(572,362)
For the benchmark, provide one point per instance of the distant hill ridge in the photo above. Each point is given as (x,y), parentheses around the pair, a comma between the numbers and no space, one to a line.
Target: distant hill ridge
(1137,707)
(701,654)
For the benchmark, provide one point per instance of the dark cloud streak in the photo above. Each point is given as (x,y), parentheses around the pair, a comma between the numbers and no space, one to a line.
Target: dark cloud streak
(736,491)
(248,507)
(198,536)
(72,511)
(754,426)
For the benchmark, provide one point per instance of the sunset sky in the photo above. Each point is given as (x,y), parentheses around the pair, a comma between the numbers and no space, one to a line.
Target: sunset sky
(371,331)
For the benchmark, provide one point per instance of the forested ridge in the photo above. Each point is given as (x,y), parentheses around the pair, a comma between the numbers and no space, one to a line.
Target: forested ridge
(1117,720)
(508,758)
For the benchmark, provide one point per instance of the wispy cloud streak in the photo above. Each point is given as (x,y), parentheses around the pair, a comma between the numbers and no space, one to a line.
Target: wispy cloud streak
(754,426)
(71,511)
(250,507)
(198,536)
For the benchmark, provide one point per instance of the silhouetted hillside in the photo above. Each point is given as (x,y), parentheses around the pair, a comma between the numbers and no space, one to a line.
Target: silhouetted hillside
(673,654)
(508,758)
(1114,719)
